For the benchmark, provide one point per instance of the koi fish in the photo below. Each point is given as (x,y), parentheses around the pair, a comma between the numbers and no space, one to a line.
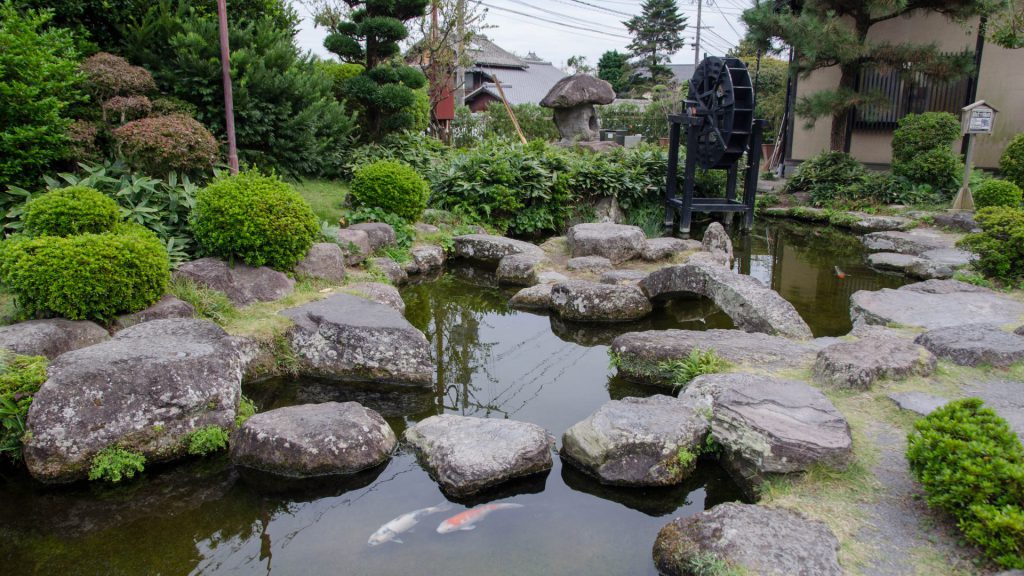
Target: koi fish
(839,273)
(467,520)
(390,531)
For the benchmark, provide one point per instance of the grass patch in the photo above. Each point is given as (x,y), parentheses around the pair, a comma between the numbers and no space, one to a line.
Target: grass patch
(9,311)
(325,197)
(211,304)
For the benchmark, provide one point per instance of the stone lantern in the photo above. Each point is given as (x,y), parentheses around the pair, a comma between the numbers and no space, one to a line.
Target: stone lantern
(573,99)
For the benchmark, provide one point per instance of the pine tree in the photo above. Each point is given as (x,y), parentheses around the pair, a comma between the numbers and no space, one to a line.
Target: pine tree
(826,33)
(613,67)
(368,33)
(657,34)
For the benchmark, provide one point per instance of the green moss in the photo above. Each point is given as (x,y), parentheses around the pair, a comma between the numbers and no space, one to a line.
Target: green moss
(246,409)
(114,464)
(207,440)
(20,379)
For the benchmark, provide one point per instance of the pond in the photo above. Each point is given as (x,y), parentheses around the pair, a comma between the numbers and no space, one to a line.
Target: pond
(201,517)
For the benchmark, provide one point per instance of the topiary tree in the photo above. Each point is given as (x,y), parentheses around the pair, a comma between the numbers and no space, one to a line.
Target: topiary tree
(391,186)
(368,33)
(163,144)
(1011,163)
(69,211)
(922,150)
(997,193)
(258,219)
(108,75)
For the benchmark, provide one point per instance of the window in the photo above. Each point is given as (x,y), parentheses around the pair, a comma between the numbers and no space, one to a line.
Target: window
(909,94)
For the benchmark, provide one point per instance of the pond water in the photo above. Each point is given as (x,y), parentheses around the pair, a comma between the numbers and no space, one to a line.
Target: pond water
(201,517)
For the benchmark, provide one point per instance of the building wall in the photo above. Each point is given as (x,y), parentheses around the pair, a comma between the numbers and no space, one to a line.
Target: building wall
(1000,84)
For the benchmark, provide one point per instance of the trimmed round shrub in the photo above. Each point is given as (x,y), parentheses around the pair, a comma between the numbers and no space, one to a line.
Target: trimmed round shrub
(87,276)
(109,75)
(392,187)
(254,218)
(997,193)
(922,150)
(68,211)
(1000,244)
(125,108)
(940,168)
(162,144)
(1011,163)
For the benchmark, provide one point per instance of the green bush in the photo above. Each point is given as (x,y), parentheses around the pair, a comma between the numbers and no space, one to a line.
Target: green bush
(258,219)
(825,175)
(971,465)
(1011,163)
(114,464)
(405,232)
(87,276)
(535,122)
(38,83)
(419,150)
(1000,244)
(20,379)
(393,187)
(69,211)
(922,152)
(207,440)
(997,193)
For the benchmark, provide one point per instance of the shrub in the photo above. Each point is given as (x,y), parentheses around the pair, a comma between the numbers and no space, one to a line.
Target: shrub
(207,440)
(126,108)
(536,122)
(114,464)
(1000,244)
(164,144)
(20,379)
(971,465)
(246,409)
(88,276)
(939,168)
(421,151)
(69,211)
(38,79)
(391,186)
(82,142)
(698,363)
(922,153)
(255,218)
(108,75)
(825,175)
(997,193)
(1011,163)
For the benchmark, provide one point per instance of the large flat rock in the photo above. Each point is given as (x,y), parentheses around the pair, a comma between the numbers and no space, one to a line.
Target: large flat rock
(861,363)
(51,337)
(638,441)
(934,304)
(582,301)
(242,284)
(914,242)
(346,337)
(520,269)
(753,539)
(313,440)
(378,292)
(466,454)
(664,248)
(487,249)
(536,297)
(752,306)
(974,345)
(640,353)
(146,389)
(165,308)
(616,242)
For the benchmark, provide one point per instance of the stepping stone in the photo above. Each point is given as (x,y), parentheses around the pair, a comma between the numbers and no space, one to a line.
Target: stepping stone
(638,354)
(551,277)
(664,248)
(487,249)
(165,308)
(962,221)
(242,284)
(355,244)
(892,261)
(934,304)
(582,301)
(630,277)
(616,242)
(520,269)
(466,455)
(428,258)
(974,345)
(589,264)
(536,297)
(346,337)
(313,440)
(381,235)
(918,402)
(146,389)
(750,539)
(940,263)
(717,244)
(875,223)
(767,426)
(324,261)
(914,242)
(752,306)
(378,292)
(637,441)
(861,363)
(51,337)
(391,270)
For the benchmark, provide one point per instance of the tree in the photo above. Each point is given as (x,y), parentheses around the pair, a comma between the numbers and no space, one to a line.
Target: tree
(657,34)
(826,33)
(613,67)
(1007,26)
(578,65)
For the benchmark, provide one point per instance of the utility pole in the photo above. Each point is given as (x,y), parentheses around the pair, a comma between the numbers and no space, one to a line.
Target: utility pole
(460,51)
(696,44)
(229,105)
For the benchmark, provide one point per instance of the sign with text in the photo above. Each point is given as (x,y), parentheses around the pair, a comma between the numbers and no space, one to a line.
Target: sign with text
(978,118)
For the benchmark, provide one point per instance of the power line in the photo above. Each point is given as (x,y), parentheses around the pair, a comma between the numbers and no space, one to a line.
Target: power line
(571,18)
(726,18)
(555,22)
(601,8)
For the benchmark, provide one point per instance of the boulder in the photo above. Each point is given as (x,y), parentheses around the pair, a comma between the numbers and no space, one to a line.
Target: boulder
(957,220)
(573,99)
(379,293)
(520,269)
(934,304)
(355,244)
(424,228)
(631,277)
(536,297)
(589,264)
(466,454)
(878,223)
(394,272)
(1019,331)
(914,242)
(767,425)
(974,345)
(607,209)
(551,277)
(242,284)
(583,301)
(859,364)
(428,258)
(664,248)
(650,441)
(487,249)
(752,306)
(615,242)
(166,307)
(381,235)
(919,403)
(324,261)
(940,263)
(892,261)
(51,337)
(750,539)
(146,389)
(716,242)
(639,353)
(313,440)
(345,337)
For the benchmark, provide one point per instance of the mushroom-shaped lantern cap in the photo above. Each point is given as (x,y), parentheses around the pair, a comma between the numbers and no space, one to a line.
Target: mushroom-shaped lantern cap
(577,90)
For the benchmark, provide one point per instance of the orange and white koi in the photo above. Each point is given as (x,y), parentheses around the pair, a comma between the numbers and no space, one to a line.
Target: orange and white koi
(390,531)
(839,273)
(467,520)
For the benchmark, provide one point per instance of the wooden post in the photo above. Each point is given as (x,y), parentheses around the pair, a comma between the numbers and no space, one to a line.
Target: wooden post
(964,199)
(229,105)
(511,114)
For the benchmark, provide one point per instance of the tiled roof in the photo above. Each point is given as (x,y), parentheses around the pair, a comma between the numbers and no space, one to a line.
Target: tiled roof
(521,85)
(487,53)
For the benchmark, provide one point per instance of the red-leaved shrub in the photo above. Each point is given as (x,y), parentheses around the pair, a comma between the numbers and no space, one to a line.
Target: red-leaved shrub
(162,144)
(121,109)
(108,75)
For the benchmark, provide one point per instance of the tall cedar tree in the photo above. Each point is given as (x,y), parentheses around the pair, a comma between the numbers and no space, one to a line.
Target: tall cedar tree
(827,33)
(613,67)
(369,35)
(657,34)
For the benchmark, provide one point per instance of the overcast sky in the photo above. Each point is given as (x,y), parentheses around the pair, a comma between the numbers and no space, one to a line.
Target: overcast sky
(523,26)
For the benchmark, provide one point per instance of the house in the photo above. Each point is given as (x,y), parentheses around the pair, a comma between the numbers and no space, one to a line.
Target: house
(524,80)
(999,81)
